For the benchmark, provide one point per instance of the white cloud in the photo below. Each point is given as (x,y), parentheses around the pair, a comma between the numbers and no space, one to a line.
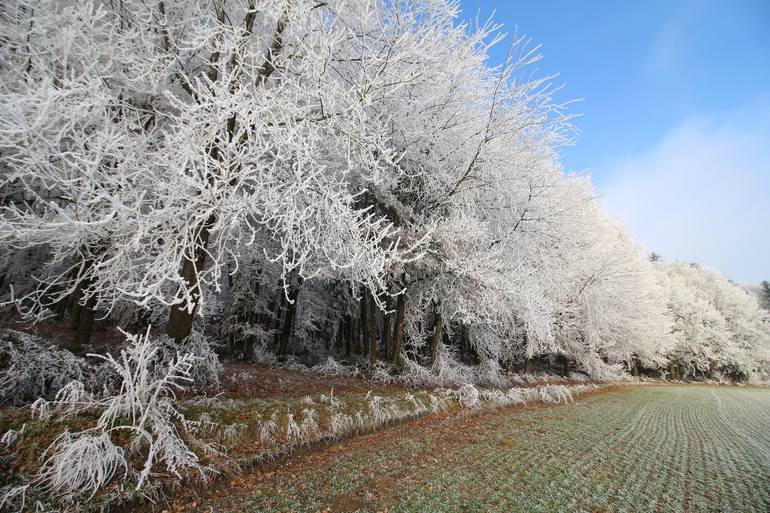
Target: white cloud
(701,194)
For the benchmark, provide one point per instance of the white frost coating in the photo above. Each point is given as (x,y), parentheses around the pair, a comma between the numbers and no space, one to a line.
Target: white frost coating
(11,436)
(35,368)
(79,464)
(267,429)
(468,396)
(333,368)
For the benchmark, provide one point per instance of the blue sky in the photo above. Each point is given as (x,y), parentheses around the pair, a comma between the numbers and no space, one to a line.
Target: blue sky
(675,116)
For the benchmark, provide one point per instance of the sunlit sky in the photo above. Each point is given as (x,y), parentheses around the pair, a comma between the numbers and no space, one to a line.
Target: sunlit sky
(675,116)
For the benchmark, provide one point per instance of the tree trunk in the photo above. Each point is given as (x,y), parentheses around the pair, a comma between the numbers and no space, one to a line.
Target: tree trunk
(565,366)
(82,311)
(275,325)
(400,306)
(348,334)
(61,307)
(76,306)
(387,324)
(77,296)
(528,366)
(182,315)
(180,320)
(340,335)
(436,338)
(363,323)
(85,322)
(355,334)
(712,368)
(372,332)
(671,371)
(288,323)
(461,342)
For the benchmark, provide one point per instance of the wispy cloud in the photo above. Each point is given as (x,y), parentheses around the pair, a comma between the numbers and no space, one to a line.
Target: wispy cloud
(702,193)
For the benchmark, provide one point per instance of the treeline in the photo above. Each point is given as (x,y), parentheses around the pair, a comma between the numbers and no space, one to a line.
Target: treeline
(328,178)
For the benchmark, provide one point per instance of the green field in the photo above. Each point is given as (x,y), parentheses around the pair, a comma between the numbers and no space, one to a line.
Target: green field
(640,449)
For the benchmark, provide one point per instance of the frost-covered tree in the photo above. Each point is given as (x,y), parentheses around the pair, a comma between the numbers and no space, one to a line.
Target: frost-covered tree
(764,294)
(345,178)
(169,134)
(716,324)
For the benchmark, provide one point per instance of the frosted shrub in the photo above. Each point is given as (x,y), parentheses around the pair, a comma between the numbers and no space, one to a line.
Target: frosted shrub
(437,403)
(415,375)
(333,368)
(204,423)
(32,368)
(232,431)
(79,464)
(396,413)
(329,399)
(515,396)
(293,364)
(468,395)
(341,424)
(449,371)
(14,498)
(581,389)
(263,356)
(146,399)
(495,397)
(554,394)
(309,424)
(267,430)
(377,412)
(418,407)
(293,431)
(11,436)
(359,419)
(204,375)
(382,373)
(488,373)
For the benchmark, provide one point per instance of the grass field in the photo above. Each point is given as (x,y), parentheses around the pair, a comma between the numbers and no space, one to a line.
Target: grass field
(639,449)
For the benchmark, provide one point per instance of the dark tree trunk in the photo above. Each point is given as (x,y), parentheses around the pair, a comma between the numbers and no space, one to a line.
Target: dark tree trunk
(76,306)
(528,366)
(387,324)
(436,338)
(180,320)
(82,310)
(275,325)
(355,330)
(372,332)
(288,323)
(565,366)
(61,307)
(400,306)
(348,334)
(461,342)
(363,323)
(340,335)
(672,373)
(85,322)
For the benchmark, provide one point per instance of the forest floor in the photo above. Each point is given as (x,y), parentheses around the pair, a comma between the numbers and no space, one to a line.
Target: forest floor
(636,449)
